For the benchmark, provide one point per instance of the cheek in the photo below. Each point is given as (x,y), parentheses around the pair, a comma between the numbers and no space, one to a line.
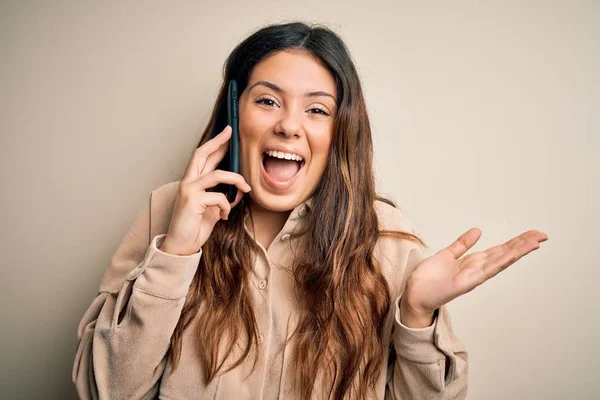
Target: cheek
(320,144)
(250,129)
(253,124)
(248,154)
(250,132)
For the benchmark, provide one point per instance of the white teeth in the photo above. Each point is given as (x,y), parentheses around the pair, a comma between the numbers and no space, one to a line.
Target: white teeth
(284,156)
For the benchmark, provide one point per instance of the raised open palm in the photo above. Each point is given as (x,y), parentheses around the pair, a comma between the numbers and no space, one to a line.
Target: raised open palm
(445,275)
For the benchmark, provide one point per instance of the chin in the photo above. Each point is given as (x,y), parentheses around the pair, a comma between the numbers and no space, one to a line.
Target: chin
(274,202)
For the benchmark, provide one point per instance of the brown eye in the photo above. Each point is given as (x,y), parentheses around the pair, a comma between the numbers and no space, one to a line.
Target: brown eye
(317,110)
(266,101)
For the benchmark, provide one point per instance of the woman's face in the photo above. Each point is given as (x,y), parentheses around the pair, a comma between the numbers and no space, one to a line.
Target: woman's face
(286,127)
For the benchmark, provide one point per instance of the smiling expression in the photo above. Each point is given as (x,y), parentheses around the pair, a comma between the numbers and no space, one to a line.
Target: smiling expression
(286,111)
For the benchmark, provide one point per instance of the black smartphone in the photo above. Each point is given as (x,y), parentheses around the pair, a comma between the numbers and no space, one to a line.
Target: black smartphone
(231,161)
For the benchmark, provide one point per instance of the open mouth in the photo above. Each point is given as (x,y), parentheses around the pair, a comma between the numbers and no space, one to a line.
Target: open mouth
(280,169)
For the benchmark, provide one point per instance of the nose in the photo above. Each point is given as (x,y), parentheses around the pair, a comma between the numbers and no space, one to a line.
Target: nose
(289,125)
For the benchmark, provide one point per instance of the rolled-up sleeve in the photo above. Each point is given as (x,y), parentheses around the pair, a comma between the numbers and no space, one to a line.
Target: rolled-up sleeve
(431,362)
(124,336)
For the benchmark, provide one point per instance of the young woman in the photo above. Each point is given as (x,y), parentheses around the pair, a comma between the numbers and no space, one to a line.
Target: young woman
(308,285)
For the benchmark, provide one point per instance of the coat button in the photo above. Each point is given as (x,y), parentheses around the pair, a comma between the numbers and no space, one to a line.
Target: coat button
(285,236)
(262,284)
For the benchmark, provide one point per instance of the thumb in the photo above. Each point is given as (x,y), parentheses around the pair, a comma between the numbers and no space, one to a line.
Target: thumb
(464,242)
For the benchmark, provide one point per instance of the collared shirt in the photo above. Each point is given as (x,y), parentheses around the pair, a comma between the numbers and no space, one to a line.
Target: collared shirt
(125,334)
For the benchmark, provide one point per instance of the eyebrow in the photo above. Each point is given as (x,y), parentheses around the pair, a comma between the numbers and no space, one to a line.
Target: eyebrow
(277,89)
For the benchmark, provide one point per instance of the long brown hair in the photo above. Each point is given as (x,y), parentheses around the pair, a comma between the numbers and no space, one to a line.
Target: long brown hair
(344,296)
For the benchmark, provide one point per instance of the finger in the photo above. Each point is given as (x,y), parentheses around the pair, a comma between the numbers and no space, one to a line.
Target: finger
(212,199)
(202,153)
(463,243)
(215,177)
(532,235)
(504,247)
(501,261)
(239,196)
(214,159)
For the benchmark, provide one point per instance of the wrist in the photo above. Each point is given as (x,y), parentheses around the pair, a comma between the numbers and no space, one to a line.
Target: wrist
(415,319)
(166,247)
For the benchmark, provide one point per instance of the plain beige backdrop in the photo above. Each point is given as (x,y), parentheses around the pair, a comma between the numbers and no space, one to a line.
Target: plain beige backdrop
(494,106)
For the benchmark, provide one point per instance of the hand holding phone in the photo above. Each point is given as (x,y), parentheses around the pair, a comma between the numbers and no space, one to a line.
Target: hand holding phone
(197,208)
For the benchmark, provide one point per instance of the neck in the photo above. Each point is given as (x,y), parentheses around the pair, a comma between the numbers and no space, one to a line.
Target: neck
(267,223)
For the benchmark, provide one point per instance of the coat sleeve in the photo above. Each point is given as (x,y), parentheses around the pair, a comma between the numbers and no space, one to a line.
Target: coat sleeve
(431,363)
(125,334)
